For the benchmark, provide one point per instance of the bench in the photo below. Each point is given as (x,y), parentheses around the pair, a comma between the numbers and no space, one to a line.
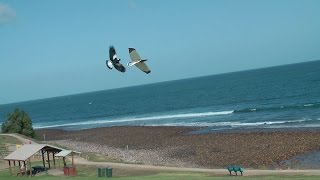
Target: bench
(235,169)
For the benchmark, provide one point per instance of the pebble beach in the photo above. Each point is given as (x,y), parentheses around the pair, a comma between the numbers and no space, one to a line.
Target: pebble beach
(179,146)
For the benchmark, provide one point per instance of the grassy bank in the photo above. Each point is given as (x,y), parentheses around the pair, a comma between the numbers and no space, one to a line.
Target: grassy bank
(89,172)
(4,139)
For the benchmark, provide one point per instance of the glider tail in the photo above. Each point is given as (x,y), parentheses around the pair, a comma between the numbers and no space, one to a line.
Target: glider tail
(133,63)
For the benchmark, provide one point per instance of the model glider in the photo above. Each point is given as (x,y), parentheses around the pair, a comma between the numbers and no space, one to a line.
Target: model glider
(137,61)
(114,61)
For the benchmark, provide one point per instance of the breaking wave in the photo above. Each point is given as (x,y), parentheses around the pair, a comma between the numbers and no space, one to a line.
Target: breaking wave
(131,119)
(279,108)
(173,117)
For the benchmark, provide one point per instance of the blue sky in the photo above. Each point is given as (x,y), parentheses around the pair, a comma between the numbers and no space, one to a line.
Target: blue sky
(56,47)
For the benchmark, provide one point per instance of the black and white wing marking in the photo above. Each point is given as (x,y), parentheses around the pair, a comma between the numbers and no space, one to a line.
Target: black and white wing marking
(114,61)
(137,61)
(112,53)
(109,64)
(119,67)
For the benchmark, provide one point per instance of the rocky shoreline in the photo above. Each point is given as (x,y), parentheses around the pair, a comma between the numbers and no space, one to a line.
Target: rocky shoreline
(176,146)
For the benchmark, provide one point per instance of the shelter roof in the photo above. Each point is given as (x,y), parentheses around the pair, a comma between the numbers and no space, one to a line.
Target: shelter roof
(27,150)
(65,153)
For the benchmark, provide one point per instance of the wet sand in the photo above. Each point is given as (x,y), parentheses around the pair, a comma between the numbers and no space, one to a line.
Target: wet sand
(178,146)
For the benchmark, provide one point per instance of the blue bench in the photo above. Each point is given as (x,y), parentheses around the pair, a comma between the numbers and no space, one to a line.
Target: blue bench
(235,169)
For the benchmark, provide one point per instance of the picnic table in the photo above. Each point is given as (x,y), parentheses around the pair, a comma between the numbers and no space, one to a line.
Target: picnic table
(38,169)
(235,169)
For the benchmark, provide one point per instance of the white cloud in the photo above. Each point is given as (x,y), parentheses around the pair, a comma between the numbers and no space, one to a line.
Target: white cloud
(6,14)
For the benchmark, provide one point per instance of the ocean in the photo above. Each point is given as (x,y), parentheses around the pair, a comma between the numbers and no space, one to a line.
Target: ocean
(285,96)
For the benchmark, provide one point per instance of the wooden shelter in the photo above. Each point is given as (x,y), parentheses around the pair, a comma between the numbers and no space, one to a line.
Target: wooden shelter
(22,156)
(65,153)
(68,170)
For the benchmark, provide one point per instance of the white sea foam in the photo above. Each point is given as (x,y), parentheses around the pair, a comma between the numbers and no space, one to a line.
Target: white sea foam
(214,124)
(229,123)
(185,115)
(195,124)
(131,119)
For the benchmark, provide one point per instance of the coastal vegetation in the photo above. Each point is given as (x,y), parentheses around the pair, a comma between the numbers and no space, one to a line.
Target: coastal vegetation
(19,122)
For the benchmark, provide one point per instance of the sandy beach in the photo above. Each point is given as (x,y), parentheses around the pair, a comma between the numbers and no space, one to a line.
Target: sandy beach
(178,146)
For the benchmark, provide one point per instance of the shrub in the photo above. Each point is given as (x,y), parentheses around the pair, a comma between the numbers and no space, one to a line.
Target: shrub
(18,122)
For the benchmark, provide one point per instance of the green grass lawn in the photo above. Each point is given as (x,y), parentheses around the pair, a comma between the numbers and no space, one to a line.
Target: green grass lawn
(90,172)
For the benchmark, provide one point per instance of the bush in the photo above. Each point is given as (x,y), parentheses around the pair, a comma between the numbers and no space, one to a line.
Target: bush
(18,122)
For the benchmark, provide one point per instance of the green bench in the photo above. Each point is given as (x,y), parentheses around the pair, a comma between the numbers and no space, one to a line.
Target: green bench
(235,169)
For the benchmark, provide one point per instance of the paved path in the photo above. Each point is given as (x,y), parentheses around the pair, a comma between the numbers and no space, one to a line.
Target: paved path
(20,138)
(247,172)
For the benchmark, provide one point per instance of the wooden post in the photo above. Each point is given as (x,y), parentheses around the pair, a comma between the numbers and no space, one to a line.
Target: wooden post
(64,161)
(14,164)
(20,168)
(48,159)
(44,164)
(72,158)
(59,162)
(25,168)
(30,168)
(54,159)
(10,170)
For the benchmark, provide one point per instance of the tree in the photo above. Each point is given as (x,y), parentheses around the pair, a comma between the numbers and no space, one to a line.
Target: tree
(18,122)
